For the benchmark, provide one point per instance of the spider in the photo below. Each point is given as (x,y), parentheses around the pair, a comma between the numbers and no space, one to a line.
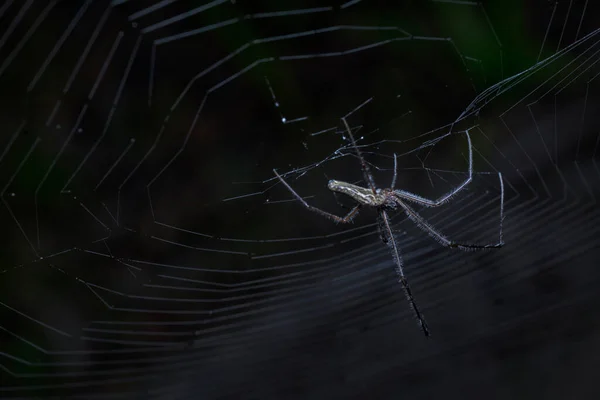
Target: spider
(390,199)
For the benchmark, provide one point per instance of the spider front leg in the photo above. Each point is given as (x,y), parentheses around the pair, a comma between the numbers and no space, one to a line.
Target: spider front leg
(365,167)
(344,220)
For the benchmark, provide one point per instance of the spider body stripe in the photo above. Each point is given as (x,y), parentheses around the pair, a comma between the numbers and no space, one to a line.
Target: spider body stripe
(391,199)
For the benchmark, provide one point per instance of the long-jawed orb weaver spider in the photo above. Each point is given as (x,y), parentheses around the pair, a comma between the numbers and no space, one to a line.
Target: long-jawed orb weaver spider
(384,200)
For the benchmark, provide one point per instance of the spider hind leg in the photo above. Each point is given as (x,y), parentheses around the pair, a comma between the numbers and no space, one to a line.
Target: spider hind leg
(383,235)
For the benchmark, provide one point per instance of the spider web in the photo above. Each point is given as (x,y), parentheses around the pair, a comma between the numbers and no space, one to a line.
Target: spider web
(149,251)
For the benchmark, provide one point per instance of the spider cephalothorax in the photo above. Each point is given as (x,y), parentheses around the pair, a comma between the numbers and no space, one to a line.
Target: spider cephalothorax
(391,199)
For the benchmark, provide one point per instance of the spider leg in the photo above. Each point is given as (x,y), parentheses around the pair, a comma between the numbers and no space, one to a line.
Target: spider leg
(415,198)
(383,232)
(365,167)
(391,242)
(443,240)
(347,218)
(395,173)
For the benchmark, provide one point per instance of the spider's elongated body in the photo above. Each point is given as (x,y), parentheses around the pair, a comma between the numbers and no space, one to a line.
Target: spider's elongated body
(388,199)
(362,195)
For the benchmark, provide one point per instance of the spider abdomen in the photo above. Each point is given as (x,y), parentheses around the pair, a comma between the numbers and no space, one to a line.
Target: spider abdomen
(364,196)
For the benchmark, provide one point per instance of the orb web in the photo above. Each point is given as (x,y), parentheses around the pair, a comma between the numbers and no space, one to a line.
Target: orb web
(149,250)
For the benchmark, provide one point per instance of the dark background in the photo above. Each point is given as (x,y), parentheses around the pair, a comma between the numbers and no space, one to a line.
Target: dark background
(148,252)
